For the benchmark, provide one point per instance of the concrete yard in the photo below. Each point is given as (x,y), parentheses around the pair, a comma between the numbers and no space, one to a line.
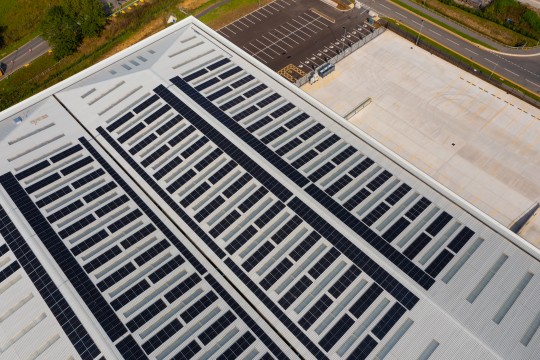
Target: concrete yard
(472,137)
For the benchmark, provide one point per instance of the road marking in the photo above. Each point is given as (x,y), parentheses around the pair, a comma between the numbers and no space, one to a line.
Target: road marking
(227,28)
(239,28)
(249,20)
(284,36)
(452,41)
(511,72)
(532,82)
(384,6)
(434,32)
(471,51)
(416,22)
(253,14)
(400,14)
(491,61)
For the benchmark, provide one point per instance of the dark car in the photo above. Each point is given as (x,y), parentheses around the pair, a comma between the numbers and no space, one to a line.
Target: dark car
(3,69)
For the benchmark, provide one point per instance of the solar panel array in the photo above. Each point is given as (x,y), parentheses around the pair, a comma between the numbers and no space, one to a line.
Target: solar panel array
(329,248)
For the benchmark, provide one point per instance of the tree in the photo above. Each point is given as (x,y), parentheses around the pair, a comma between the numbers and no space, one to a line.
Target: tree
(61,31)
(89,14)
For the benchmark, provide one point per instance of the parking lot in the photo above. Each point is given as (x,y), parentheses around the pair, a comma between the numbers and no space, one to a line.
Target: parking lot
(296,36)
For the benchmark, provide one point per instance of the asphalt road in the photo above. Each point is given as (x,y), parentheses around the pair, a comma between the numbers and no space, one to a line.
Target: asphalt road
(38,46)
(25,55)
(523,70)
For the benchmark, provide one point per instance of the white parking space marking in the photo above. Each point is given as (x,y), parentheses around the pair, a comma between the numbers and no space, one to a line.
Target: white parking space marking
(236,26)
(284,36)
(273,7)
(253,14)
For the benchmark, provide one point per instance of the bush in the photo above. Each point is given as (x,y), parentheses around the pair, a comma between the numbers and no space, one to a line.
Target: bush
(61,31)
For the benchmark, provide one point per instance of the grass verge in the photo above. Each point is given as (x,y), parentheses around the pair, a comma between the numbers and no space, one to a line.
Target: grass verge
(464,60)
(122,32)
(443,25)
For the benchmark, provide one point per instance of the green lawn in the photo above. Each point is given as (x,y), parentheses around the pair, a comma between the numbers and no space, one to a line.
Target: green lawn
(20,19)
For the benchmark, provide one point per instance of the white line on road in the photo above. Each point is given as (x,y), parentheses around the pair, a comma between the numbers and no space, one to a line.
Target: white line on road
(511,72)
(533,82)
(435,32)
(491,61)
(400,14)
(416,22)
(452,41)
(471,51)
(384,6)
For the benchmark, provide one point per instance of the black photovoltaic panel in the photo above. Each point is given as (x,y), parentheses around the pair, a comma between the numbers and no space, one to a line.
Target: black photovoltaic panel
(55,195)
(195,75)
(56,302)
(276,274)
(42,183)
(439,263)
(363,350)
(365,301)
(229,104)
(157,114)
(417,209)
(315,312)
(218,64)
(257,89)
(344,155)
(314,349)
(396,229)
(242,81)
(142,144)
(372,269)
(301,209)
(250,110)
(216,327)
(86,289)
(229,73)
(207,83)
(344,281)
(131,132)
(168,125)
(336,332)
(219,93)
(124,119)
(239,311)
(388,320)
(417,245)
(439,223)
(87,178)
(146,103)
(32,170)
(461,239)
